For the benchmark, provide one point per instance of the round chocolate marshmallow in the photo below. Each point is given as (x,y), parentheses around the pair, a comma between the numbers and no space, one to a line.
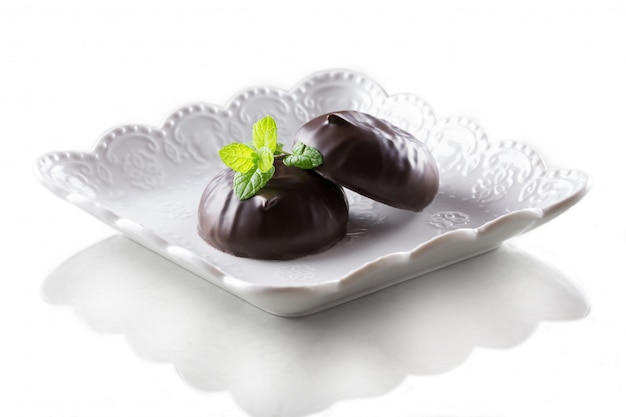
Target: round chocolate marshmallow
(373,158)
(297,213)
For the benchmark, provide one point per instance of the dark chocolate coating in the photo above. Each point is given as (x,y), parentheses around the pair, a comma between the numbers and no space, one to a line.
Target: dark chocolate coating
(373,158)
(297,213)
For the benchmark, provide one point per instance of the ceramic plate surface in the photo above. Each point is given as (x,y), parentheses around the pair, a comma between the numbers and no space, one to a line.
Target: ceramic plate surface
(147,181)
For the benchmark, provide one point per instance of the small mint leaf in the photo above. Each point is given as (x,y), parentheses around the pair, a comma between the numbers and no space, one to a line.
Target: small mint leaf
(249,183)
(266,158)
(303,157)
(265,133)
(279,149)
(238,157)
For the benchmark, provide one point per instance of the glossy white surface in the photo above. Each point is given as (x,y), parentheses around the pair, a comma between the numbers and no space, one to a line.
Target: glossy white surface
(146,183)
(96,326)
(363,348)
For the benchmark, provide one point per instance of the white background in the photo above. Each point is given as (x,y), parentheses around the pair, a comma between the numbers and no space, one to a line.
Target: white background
(539,329)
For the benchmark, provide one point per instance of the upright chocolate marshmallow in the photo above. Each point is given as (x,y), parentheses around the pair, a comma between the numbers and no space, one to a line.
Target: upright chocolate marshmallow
(297,213)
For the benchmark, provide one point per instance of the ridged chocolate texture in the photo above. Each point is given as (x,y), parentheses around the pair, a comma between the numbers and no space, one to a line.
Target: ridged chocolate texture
(373,158)
(297,213)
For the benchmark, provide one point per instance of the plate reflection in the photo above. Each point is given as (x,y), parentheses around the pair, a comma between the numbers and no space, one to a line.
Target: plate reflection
(292,367)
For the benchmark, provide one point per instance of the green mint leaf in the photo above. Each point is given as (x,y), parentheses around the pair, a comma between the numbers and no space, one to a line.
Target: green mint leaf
(266,158)
(304,157)
(238,157)
(265,133)
(279,149)
(247,184)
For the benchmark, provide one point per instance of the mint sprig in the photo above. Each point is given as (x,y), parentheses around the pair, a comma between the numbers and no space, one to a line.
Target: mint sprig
(253,162)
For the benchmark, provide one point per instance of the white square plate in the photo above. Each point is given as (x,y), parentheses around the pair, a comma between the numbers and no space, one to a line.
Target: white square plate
(147,181)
